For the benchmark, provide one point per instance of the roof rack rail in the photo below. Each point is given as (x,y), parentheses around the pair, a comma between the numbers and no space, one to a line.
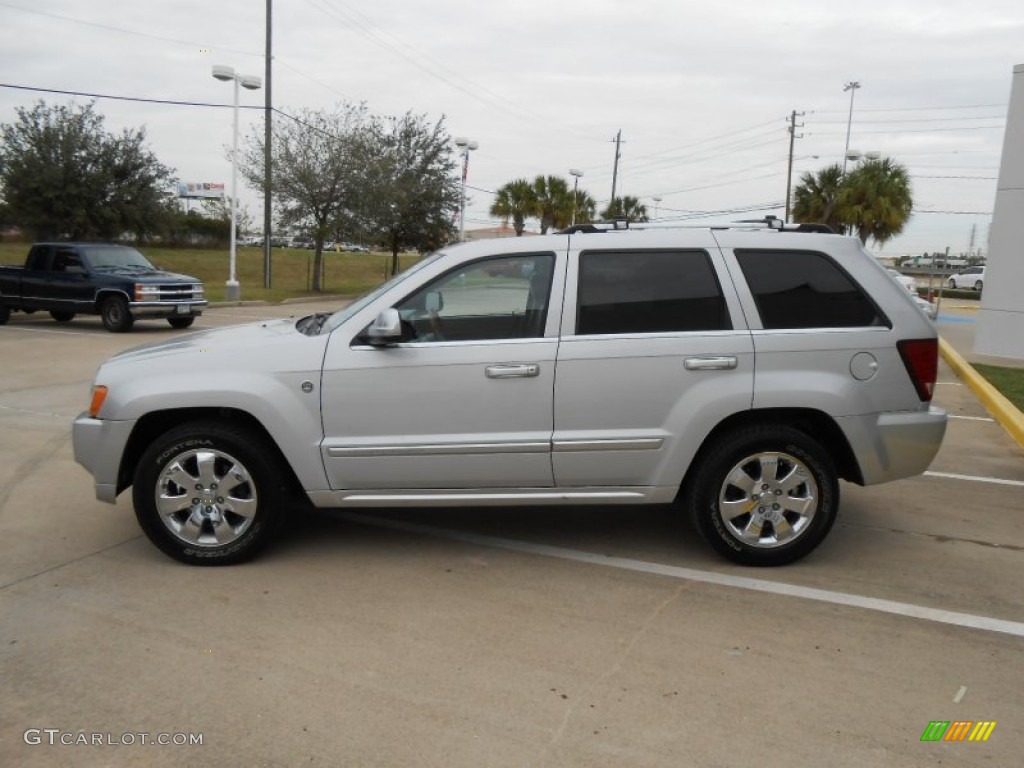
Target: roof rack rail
(768,222)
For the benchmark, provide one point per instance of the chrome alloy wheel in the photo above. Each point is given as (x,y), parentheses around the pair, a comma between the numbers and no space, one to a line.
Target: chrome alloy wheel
(206,498)
(768,499)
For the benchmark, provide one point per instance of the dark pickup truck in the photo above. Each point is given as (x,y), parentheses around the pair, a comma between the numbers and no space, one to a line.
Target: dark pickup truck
(114,281)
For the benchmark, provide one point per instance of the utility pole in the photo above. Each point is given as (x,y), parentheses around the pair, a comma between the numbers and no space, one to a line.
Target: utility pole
(267,173)
(789,171)
(615,169)
(970,248)
(852,87)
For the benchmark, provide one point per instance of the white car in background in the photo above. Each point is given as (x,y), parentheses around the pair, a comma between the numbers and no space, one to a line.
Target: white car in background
(929,309)
(972,277)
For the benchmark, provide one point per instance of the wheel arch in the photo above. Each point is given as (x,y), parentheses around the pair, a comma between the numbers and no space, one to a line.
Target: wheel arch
(816,424)
(156,423)
(103,293)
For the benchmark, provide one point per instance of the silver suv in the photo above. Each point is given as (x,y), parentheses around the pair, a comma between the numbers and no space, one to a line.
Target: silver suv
(738,373)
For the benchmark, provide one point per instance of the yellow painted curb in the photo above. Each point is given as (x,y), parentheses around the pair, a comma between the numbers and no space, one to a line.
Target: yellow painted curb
(995,402)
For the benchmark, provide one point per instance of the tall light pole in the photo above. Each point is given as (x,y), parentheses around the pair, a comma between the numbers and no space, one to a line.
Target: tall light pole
(575,173)
(852,87)
(465,147)
(232,290)
(657,202)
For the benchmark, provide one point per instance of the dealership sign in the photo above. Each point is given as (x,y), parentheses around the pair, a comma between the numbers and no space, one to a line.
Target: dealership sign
(203,189)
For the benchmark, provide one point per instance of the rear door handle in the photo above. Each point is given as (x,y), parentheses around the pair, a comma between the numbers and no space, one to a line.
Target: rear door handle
(517,371)
(724,363)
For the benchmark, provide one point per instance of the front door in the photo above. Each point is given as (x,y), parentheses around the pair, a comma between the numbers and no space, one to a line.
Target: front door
(465,400)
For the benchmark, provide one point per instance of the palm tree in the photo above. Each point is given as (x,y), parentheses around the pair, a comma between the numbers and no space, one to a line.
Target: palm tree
(586,207)
(876,199)
(516,201)
(817,198)
(628,208)
(554,202)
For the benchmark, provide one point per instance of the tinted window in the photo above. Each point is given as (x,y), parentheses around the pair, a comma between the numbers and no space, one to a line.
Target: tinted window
(802,289)
(649,292)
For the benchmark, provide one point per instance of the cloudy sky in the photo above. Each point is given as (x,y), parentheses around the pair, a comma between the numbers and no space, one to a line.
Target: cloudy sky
(701,92)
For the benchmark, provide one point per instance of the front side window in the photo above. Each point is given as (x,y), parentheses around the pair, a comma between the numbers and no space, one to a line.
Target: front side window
(505,297)
(805,289)
(663,291)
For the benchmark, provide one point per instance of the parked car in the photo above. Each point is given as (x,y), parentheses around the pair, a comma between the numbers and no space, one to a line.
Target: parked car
(972,277)
(113,281)
(905,280)
(695,367)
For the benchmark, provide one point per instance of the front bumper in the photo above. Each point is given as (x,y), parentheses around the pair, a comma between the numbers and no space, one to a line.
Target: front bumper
(891,446)
(98,446)
(167,309)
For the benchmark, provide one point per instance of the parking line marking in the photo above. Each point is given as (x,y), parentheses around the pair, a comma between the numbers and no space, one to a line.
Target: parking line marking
(960,694)
(936,615)
(35,413)
(42,330)
(969,418)
(975,478)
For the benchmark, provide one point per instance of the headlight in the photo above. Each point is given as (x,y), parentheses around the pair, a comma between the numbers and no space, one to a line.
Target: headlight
(197,290)
(143,292)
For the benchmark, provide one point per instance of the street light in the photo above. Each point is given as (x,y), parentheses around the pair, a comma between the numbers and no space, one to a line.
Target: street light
(852,87)
(232,290)
(656,200)
(465,147)
(575,173)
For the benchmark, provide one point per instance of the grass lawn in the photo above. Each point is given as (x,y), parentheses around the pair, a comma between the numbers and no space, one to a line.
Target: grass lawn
(344,273)
(1009,381)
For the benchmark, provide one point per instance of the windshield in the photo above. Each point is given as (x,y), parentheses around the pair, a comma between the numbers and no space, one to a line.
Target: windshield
(117,256)
(342,315)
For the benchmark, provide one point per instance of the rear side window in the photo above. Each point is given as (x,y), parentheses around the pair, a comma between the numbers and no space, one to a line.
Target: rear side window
(805,289)
(649,292)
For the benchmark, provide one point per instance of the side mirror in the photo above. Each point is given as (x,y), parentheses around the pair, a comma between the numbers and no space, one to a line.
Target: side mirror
(386,329)
(74,269)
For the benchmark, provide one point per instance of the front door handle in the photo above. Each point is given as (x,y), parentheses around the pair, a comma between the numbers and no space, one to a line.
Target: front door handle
(723,363)
(517,371)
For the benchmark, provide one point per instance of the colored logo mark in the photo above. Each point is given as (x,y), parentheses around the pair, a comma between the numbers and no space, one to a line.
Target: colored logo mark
(958,730)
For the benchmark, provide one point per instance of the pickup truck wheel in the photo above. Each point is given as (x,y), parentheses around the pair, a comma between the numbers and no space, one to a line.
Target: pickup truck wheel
(764,495)
(5,313)
(62,317)
(978,286)
(209,494)
(180,322)
(115,314)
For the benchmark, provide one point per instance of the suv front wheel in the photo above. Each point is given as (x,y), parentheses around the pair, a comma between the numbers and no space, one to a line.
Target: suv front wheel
(209,493)
(764,495)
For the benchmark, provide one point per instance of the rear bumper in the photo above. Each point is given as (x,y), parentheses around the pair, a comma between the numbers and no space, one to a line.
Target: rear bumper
(890,446)
(99,446)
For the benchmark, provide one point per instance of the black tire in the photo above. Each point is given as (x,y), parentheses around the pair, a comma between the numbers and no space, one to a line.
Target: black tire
(62,317)
(951,283)
(199,524)
(5,313)
(743,457)
(180,322)
(116,316)
(978,286)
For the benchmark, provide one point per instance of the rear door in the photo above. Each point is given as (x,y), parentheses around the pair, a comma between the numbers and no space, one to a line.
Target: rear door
(654,354)
(36,277)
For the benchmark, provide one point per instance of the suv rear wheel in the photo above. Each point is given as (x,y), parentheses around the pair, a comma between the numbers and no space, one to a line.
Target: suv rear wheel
(209,494)
(764,495)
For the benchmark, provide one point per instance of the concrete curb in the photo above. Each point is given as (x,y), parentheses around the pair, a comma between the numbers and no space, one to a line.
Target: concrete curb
(1002,410)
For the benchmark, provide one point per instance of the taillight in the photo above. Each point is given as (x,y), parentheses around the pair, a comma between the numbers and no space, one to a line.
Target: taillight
(921,357)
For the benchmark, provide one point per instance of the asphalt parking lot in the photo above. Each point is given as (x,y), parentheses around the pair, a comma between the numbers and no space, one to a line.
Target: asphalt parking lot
(558,637)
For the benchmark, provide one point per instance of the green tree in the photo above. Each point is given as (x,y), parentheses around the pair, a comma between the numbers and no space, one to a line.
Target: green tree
(876,200)
(554,202)
(320,170)
(63,175)
(586,207)
(516,201)
(873,200)
(410,188)
(817,198)
(628,208)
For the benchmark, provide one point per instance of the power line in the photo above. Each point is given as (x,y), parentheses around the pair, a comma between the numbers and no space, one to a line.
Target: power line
(914,109)
(171,102)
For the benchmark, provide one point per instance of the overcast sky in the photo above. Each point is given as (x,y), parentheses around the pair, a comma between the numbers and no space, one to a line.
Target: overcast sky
(702,92)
